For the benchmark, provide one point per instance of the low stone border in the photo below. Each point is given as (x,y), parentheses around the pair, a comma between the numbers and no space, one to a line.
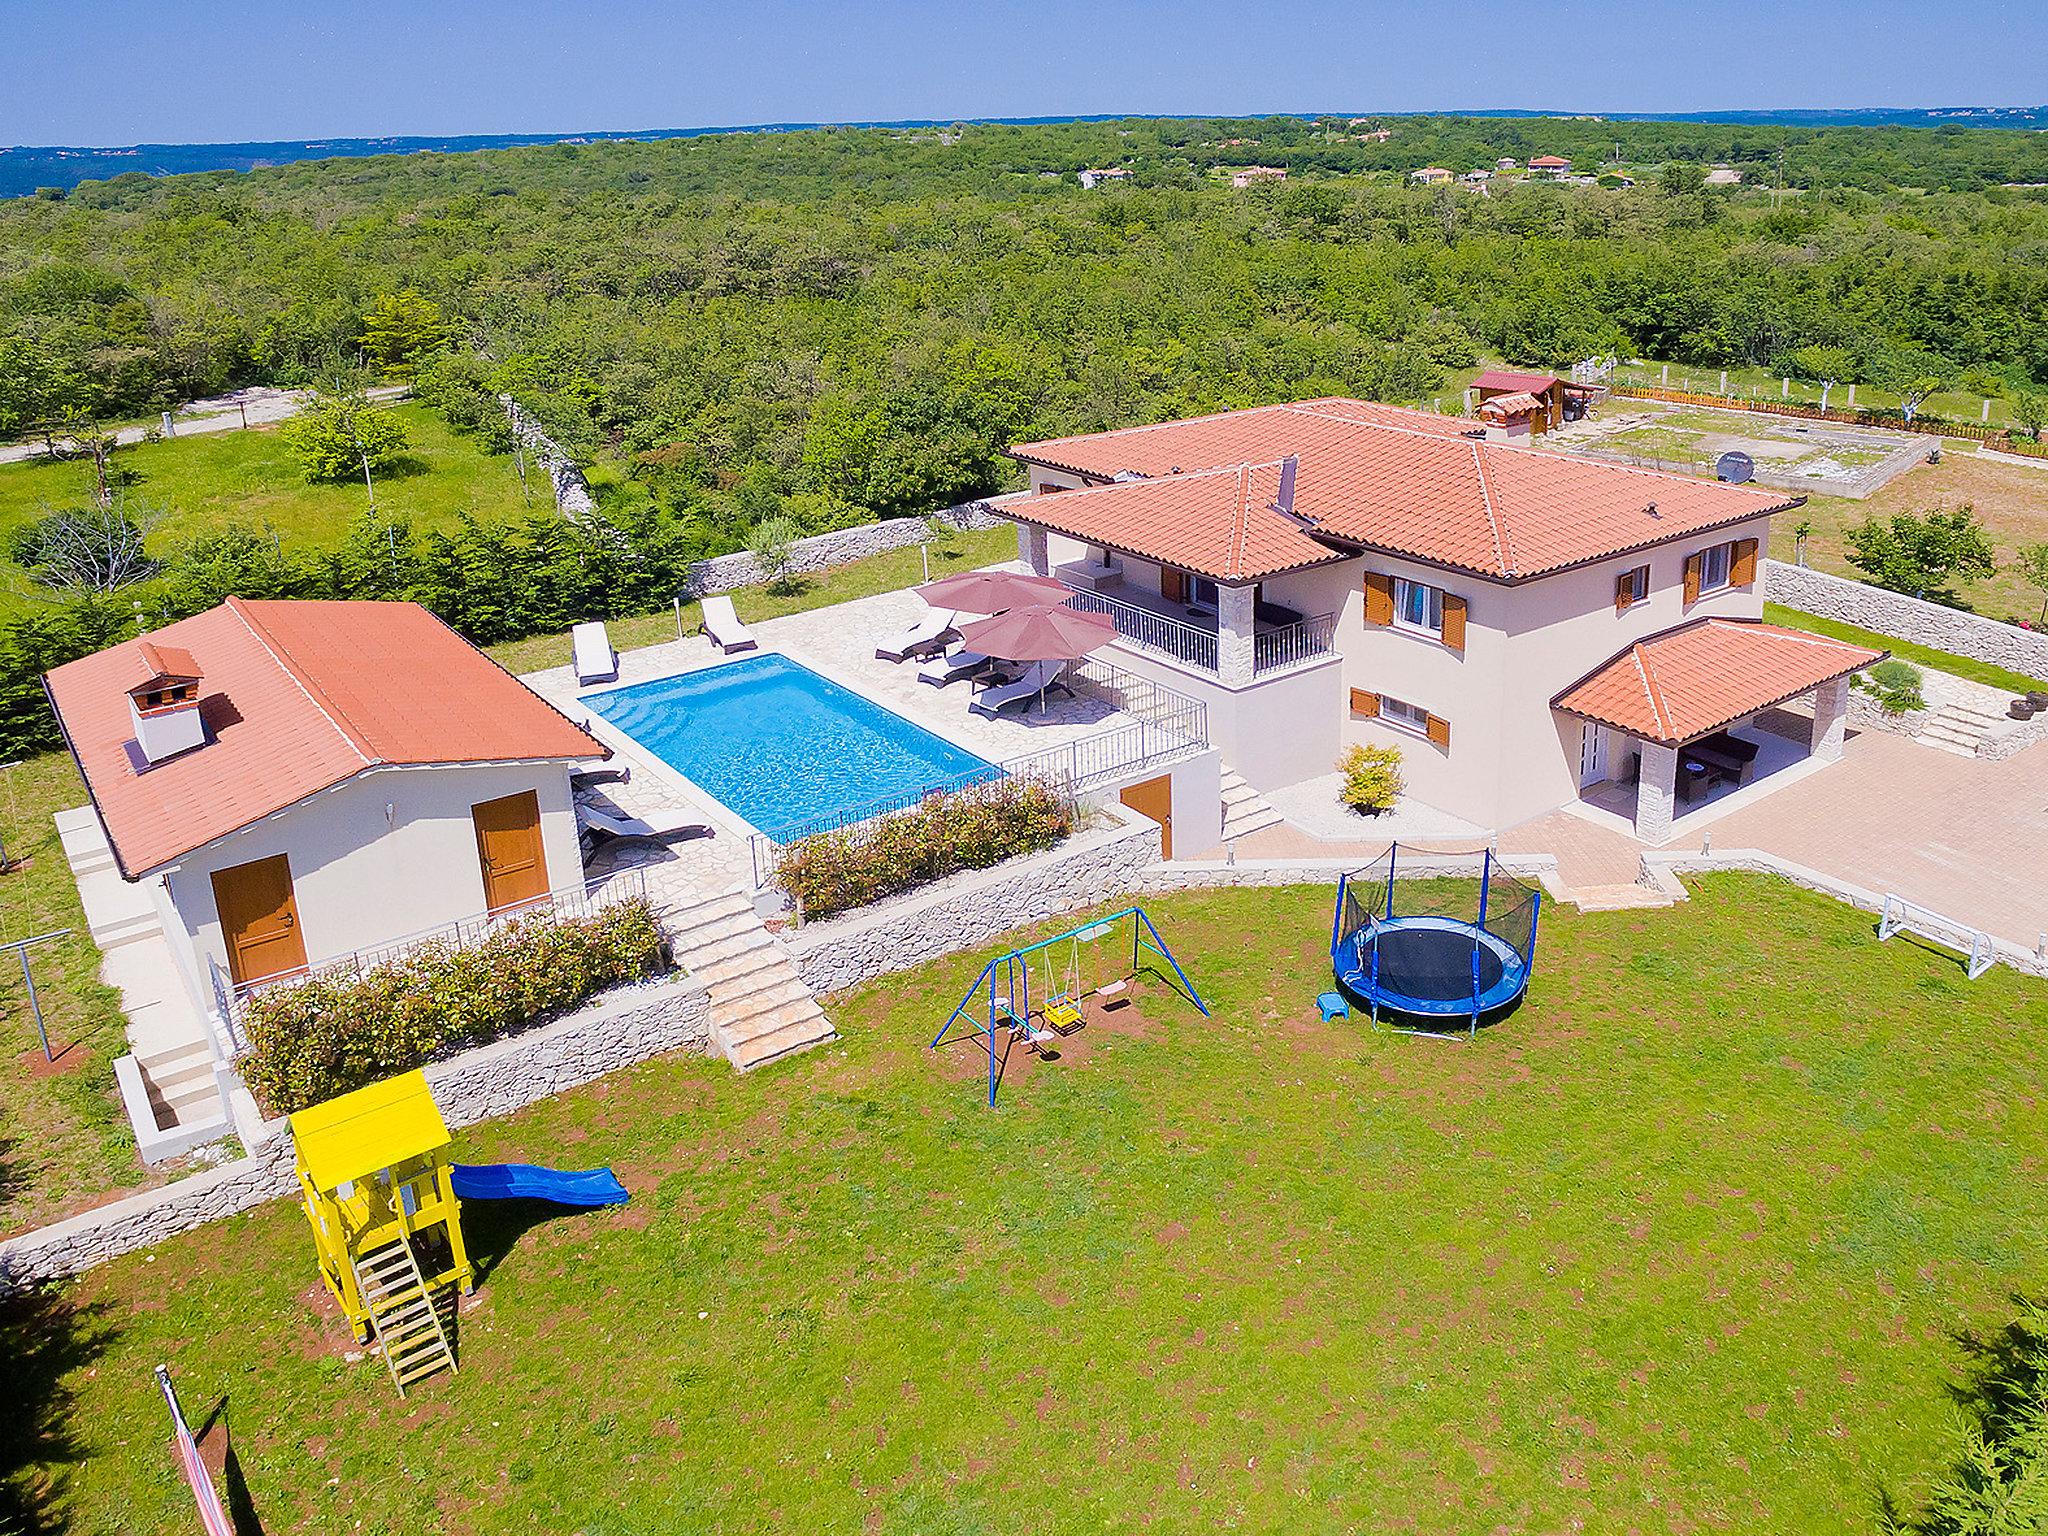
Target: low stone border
(728,573)
(2026,460)
(1216,874)
(572,492)
(625,1026)
(1907,618)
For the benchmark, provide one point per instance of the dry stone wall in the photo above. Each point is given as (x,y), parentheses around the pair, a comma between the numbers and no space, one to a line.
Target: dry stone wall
(1907,618)
(572,491)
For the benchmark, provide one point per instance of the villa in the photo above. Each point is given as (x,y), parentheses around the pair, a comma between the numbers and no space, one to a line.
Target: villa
(1550,165)
(1531,630)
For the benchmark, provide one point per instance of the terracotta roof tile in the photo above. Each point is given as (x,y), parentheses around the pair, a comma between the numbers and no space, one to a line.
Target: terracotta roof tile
(1504,378)
(1409,482)
(297,697)
(1688,682)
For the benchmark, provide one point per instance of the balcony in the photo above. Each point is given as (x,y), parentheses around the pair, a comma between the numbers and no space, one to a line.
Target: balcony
(1190,638)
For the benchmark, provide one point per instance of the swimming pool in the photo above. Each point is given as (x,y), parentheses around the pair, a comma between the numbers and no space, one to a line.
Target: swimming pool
(782,746)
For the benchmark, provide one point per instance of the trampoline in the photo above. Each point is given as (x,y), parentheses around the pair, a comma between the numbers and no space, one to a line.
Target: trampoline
(1409,942)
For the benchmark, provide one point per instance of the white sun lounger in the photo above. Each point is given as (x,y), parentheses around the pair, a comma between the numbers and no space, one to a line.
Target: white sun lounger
(951,667)
(724,628)
(596,661)
(927,634)
(608,821)
(1038,677)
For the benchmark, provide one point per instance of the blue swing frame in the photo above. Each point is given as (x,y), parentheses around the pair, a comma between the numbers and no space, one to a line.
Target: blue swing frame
(1005,983)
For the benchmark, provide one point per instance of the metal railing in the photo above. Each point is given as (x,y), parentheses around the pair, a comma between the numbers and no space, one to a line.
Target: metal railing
(1149,631)
(1289,645)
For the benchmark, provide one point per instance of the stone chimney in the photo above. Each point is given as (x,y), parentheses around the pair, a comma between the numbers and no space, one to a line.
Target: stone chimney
(164,705)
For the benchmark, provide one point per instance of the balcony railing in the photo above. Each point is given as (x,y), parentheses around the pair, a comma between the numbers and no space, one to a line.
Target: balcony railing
(1274,649)
(1289,645)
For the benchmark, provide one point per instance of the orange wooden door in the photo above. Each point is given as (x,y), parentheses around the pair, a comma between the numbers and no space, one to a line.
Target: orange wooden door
(508,846)
(259,921)
(1154,798)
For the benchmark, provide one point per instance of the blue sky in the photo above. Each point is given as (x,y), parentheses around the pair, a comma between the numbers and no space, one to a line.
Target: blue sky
(119,71)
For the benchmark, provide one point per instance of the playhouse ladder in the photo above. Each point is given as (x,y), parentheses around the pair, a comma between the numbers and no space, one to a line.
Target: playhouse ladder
(410,1333)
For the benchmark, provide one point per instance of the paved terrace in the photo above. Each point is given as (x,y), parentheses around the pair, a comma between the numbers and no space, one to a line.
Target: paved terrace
(839,643)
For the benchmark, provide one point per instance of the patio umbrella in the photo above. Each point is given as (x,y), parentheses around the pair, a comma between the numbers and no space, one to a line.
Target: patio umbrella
(1039,632)
(992,591)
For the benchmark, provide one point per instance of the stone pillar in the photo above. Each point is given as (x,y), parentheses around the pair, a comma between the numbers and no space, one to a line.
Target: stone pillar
(1234,620)
(1830,719)
(1031,549)
(1656,791)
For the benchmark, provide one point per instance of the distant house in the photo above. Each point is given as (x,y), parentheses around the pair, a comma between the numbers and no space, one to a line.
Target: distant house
(1550,165)
(1090,178)
(1507,163)
(1251,175)
(1430,175)
(1480,174)
(1526,404)
(1374,136)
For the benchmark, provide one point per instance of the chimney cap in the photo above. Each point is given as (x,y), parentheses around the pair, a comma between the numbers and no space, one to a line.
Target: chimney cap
(157,664)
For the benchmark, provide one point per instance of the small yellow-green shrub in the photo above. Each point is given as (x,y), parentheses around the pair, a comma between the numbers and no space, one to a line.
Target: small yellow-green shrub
(1372,778)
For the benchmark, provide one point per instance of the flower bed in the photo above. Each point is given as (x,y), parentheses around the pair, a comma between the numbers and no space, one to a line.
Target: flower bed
(312,1040)
(969,828)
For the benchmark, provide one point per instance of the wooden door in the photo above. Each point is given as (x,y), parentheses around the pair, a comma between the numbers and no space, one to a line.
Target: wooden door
(259,921)
(508,847)
(1154,798)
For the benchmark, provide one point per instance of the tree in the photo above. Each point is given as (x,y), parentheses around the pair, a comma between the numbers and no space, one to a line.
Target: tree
(401,329)
(28,381)
(1912,373)
(1923,556)
(2030,410)
(95,548)
(339,436)
(1825,366)
(2030,563)
(770,547)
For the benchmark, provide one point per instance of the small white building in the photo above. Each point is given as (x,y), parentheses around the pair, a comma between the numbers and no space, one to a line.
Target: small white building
(279,786)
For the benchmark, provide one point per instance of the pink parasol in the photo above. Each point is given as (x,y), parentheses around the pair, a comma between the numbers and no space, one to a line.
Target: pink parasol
(1039,632)
(991,591)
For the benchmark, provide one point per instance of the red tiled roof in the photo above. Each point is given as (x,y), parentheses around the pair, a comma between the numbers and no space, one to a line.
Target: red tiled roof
(1409,482)
(298,697)
(1550,160)
(1690,681)
(1501,378)
(1218,523)
(1519,403)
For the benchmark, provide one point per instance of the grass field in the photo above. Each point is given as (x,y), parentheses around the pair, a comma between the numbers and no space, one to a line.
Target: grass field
(208,480)
(1906,650)
(1688,1242)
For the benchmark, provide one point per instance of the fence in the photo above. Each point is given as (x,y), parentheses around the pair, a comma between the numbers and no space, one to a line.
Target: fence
(1168,636)
(1275,650)
(1895,421)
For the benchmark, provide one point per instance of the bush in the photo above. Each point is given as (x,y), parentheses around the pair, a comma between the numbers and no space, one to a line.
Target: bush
(330,1034)
(1894,684)
(334,434)
(1372,778)
(968,828)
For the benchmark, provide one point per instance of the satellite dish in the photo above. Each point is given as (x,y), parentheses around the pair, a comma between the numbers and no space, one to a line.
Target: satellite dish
(1735,468)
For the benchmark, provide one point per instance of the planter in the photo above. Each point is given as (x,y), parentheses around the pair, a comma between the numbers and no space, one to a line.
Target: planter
(2038,700)
(2020,709)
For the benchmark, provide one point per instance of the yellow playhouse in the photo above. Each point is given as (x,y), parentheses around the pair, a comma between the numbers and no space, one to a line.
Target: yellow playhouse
(374,1170)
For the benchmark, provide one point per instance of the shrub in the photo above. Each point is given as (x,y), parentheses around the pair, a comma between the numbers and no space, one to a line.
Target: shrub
(333,435)
(1894,684)
(329,1034)
(968,828)
(1372,778)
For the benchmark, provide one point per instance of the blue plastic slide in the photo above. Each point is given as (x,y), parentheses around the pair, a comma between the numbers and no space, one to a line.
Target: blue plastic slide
(523,1181)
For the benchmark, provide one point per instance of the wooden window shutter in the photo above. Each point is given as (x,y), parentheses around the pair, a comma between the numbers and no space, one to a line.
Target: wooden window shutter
(1173,584)
(1439,731)
(1379,597)
(1742,564)
(1692,578)
(1365,705)
(1624,591)
(1454,622)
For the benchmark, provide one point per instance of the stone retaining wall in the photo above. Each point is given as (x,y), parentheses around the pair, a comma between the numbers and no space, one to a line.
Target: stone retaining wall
(617,1030)
(572,491)
(964,910)
(728,573)
(1907,618)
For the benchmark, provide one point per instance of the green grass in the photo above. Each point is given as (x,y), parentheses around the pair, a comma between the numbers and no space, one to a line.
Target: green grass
(1906,650)
(1682,1244)
(207,480)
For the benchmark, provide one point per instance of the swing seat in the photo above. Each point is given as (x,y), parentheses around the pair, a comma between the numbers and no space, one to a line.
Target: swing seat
(1062,1012)
(1039,1039)
(1113,988)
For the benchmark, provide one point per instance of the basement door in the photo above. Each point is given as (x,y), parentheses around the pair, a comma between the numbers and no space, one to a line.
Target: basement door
(1154,798)
(508,847)
(259,920)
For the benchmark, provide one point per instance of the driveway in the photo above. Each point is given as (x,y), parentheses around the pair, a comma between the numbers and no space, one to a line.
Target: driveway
(223,413)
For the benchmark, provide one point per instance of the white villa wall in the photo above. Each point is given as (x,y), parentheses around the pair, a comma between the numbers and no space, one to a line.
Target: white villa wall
(388,854)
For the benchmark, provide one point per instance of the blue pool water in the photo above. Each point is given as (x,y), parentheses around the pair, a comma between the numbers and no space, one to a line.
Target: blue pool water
(782,746)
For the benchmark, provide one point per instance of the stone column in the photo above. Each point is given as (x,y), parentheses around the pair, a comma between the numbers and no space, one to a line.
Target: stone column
(1234,619)
(1656,792)
(1031,549)
(1830,719)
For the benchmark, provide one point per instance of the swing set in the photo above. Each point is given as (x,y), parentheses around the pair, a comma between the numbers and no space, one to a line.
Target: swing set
(1001,997)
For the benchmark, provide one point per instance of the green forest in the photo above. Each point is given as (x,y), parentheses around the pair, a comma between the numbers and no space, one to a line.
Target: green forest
(821,327)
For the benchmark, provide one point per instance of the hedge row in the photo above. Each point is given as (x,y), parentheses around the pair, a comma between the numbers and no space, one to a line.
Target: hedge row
(312,1040)
(968,828)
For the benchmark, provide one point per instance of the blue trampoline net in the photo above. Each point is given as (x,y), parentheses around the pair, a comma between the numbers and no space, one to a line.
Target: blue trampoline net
(1435,933)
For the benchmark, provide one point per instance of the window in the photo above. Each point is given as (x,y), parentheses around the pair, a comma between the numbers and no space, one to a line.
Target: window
(1410,717)
(1714,567)
(1631,587)
(1203,593)
(1418,606)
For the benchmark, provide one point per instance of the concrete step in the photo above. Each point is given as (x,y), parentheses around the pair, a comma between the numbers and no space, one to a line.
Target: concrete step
(687,935)
(761,992)
(83,840)
(783,1031)
(703,959)
(724,973)
(1245,810)
(1617,898)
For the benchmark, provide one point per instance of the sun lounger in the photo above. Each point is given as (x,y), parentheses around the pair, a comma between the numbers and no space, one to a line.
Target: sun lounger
(928,634)
(951,667)
(1037,678)
(596,661)
(724,628)
(604,821)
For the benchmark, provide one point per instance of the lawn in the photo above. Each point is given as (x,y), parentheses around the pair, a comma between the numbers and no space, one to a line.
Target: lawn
(1906,650)
(1686,1242)
(210,479)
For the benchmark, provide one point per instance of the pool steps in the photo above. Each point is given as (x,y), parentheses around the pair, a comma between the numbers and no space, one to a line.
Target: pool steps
(760,1008)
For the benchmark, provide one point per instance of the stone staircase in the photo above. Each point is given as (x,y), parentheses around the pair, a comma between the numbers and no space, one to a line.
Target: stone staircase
(1958,727)
(182,1088)
(760,1008)
(1244,809)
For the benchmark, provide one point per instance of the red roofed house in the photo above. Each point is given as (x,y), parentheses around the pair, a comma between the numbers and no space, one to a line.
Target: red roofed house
(277,785)
(1549,165)
(1528,627)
